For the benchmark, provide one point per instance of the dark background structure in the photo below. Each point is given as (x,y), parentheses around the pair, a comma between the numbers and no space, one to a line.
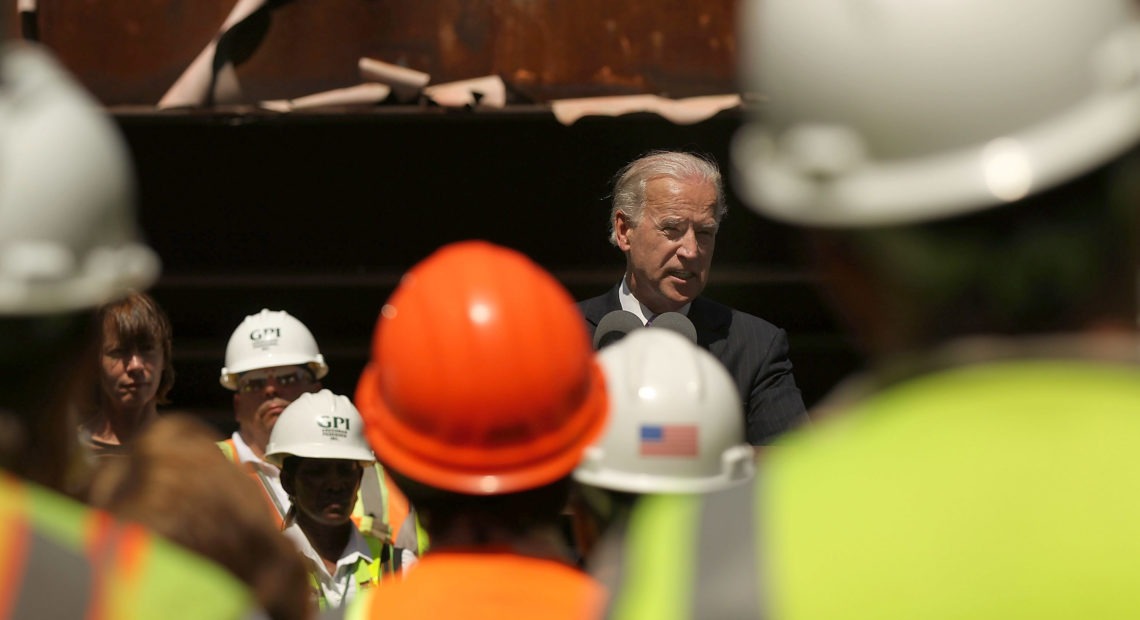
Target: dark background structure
(320,213)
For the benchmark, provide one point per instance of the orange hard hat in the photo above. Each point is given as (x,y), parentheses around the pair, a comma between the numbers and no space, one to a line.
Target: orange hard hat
(482,378)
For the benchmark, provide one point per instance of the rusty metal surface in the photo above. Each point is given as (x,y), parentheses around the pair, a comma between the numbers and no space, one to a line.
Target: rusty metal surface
(131,51)
(128,51)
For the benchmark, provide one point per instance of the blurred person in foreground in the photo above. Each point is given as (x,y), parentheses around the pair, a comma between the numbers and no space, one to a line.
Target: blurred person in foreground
(136,372)
(486,448)
(174,481)
(68,244)
(667,210)
(972,210)
(318,442)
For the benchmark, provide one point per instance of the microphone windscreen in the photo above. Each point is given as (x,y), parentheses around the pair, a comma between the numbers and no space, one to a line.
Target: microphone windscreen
(675,321)
(614,326)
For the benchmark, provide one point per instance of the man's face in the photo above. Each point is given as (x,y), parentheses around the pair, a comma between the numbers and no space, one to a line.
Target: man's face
(669,252)
(324,490)
(129,376)
(262,395)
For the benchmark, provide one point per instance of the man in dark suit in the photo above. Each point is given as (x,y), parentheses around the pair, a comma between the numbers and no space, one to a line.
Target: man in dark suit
(667,208)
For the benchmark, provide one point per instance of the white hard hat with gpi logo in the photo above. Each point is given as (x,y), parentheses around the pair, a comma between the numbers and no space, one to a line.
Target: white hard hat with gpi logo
(267,339)
(319,425)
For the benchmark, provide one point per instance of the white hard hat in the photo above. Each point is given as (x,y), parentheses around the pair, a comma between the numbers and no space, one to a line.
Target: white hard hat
(319,425)
(267,339)
(676,423)
(68,238)
(896,111)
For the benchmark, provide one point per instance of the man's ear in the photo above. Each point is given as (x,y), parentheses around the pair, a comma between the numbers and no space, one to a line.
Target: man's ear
(622,229)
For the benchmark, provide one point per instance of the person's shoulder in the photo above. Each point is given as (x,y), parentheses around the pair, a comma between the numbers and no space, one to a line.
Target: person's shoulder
(593,308)
(228,448)
(165,580)
(180,584)
(442,586)
(738,319)
(589,302)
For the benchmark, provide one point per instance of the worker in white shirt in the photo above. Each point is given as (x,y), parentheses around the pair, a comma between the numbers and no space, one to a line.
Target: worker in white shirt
(319,444)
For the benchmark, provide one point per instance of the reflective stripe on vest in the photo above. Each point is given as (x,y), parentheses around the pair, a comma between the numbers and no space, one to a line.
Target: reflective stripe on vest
(714,574)
(230,450)
(412,534)
(267,487)
(276,509)
(727,567)
(56,583)
(35,571)
(386,561)
(119,550)
(371,510)
(14,530)
(397,522)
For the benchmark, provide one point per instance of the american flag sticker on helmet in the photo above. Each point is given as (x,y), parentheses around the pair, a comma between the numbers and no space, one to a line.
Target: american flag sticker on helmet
(668,440)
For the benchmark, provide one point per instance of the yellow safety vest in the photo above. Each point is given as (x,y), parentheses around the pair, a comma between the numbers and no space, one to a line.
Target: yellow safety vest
(63,560)
(1000,490)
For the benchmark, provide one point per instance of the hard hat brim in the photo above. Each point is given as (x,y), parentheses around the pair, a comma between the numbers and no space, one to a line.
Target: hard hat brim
(228,377)
(737,467)
(320,451)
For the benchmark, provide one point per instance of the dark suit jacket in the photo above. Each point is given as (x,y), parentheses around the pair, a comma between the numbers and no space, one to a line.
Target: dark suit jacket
(754,351)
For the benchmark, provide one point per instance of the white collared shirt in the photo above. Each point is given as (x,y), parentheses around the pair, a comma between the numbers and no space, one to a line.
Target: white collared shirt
(268,471)
(339,588)
(631,304)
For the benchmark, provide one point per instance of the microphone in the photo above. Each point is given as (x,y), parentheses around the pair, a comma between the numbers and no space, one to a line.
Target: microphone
(614,326)
(677,322)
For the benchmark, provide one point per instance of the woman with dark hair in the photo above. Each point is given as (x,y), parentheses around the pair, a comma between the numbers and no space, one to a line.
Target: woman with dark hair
(135,372)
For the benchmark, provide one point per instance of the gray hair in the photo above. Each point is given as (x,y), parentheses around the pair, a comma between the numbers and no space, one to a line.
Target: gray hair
(630,181)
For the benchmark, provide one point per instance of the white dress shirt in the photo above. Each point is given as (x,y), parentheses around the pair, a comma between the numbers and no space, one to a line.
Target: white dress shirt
(340,587)
(267,471)
(630,304)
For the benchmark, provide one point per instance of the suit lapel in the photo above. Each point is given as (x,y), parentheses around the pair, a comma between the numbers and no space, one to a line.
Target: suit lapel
(598,307)
(712,322)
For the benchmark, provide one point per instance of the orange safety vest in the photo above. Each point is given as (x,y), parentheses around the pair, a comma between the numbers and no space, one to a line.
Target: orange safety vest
(59,559)
(381,508)
(276,512)
(483,585)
